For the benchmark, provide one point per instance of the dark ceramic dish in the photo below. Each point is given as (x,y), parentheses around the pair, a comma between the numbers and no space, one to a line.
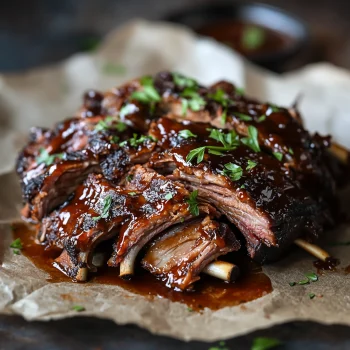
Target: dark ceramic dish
(272,19)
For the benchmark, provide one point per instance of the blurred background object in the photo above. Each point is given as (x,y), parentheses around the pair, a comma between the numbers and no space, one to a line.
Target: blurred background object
(37,32)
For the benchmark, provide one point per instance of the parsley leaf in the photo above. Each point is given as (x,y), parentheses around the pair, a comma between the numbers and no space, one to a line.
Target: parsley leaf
(302,282)
(183,82)
(290,150)
(132,194)
(107,203)
(194,101)
(228,140)
(233,171)
(252,139)
(251,165)
(148,94)
(312,276)
(185,134)
(135,141)
(193,204)
(221,97)
(107,123)
(168,196)
(252,37)
(197,152)
(263,343)
(261,118)
(16,252)
(46,158)
(129,178)
(17,244)
(78,308)
(278,155)
(274,108)
(292,284)
(312,295)
(243,116)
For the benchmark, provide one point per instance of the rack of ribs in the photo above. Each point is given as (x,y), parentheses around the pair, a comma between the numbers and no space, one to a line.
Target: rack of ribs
(176,175)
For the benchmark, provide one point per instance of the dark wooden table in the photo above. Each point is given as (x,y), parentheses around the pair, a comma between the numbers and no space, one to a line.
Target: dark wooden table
(33,33)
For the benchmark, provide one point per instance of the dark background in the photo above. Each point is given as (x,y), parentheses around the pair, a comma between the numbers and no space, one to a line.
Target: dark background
(33,33)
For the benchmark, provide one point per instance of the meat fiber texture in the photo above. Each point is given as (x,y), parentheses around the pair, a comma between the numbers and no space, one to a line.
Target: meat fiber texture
(44,96)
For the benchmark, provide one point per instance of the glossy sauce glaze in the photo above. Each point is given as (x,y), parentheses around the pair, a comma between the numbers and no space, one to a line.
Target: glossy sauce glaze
(209,292)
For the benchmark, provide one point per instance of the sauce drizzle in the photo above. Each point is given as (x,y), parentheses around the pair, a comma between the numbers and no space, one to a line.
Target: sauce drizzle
(209,292)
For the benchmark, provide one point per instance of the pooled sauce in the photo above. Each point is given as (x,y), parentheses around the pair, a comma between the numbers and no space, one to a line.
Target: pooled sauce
(246,38)
(209,292)
(329,265)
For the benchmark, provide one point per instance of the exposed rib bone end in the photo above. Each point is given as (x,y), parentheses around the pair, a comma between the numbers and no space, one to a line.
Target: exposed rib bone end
(313,249)
(222,270)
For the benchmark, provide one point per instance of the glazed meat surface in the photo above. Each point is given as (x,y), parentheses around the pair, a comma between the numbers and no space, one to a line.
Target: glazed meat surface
(166,170)
(179,255)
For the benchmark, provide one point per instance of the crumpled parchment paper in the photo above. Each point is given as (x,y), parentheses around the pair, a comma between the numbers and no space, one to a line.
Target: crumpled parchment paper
(41,97)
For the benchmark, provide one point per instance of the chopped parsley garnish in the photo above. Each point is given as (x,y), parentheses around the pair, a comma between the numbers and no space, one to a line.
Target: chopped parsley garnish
(229,142)
(78,308)
(312,295)
(132,194)
(263,343)
(189,309)
(107,123)
(242,187)
(312,276)
(292,284)
(261,118)
(221,97)
(136,140)
(17,244)
(291,151)
(252,37)
(193,204)
(191,99)
(252,139)
(46,158)
(196,153)
(168,196)
(302,282)
(278,155)
(16,252)
(233,171)
(148,94)
(185,134)
(243,116)
(274,108)
(129,178)
(107,203)
(184,82)
(115,69)
(251,165)
(114,139)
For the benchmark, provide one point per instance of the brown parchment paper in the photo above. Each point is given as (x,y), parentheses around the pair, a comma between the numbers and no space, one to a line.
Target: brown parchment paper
(47,95)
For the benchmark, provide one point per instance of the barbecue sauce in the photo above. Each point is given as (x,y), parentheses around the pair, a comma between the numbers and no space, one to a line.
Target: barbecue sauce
(248,39)
(209,292)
